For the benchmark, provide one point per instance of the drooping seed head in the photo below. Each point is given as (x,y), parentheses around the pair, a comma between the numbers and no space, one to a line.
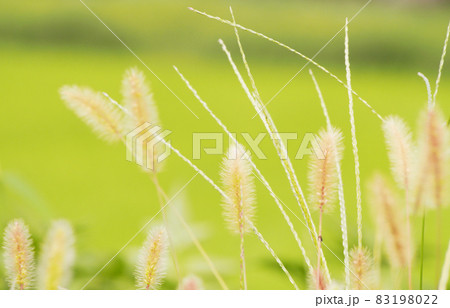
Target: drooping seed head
(138,99)
(151,266)
(239,188)
(191,283)
(361,269)
(323,174)
(391,216)
(18,255)
(57,257)
(95,110)
(401,150)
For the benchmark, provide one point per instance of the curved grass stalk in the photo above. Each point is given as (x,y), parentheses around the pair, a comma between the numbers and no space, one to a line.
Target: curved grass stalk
(427,85)
(218,189)
(282,153)
(354,140)
(291,50)
(261,238)
(193,238)
(342,209)
(258,174)
(441,65)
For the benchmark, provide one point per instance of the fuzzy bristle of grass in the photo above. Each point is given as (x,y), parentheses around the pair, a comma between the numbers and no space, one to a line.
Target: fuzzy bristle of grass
(191,283)
(401,150)
(151,265)
(138,99)
(342,209)
(433,159)
(317,280)
(239,204)
(239,187)
(95,110)
(18,255)
(323,176)
(57,257)
(280,148)
(401,156)
(392,221)
(361,264)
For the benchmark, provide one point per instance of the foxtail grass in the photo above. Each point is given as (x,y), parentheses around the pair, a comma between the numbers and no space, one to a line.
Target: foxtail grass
(323,179)
(95,110)
(281,151)
(392,221)
(361,264)
(402,155)
(342,208)
(57,257)
(239,206)
(151,267)
(18,256)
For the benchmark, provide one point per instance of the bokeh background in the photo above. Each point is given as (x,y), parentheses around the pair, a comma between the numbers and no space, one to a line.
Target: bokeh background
(53,166)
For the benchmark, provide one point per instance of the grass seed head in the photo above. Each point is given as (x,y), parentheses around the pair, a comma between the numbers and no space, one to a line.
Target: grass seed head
(18,255)
(95,110)
(151,266)
(57,257)
(391,217)
(401,150)
(138,99)
(361,268)
(323,174)
(239,188)
(434,162)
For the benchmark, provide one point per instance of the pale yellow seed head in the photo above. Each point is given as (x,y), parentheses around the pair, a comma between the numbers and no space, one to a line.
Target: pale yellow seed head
(401,150)
(18,255)
(138,99)
(95,110)
(361,269)
(239,188)
(151,266)
(323,174)
(433,168)
(57,257)
(391,217)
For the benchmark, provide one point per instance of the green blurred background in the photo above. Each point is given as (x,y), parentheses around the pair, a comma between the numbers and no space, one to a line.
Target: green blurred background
(53,166)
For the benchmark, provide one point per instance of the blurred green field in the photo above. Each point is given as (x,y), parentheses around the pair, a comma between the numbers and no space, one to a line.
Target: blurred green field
(52,166)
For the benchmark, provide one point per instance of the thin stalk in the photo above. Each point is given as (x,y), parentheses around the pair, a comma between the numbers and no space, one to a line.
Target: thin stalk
(220,191)
(319,252)
(291,50)
(342,208)
(162,202)
(196,242)
(282,153)
(354,140)
(445,270)
(422,244)
(441,65)
(258,174)
(261,238)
